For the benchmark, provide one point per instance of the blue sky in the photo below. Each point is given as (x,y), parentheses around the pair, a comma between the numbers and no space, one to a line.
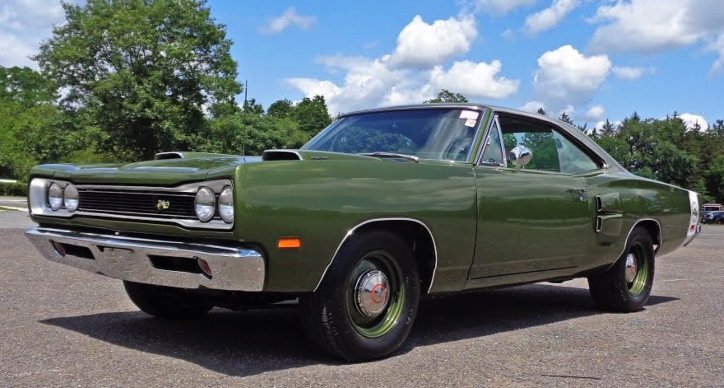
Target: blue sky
(593,59)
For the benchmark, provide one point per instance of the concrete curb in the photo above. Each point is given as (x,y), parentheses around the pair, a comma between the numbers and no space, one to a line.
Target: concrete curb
(20,209)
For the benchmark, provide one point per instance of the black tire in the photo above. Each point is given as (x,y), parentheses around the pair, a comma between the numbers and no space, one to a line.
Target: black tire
(165,302)
(336,323)
(612,291)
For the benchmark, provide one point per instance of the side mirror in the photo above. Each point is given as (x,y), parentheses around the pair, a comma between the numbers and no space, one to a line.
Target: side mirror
(520,156)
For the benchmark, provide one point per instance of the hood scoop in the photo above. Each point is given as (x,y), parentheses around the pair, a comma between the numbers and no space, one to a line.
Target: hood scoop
(280,155)
(168,155)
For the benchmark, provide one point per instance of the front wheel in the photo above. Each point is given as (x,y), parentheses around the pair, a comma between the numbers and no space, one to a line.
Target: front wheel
(366,304)
(165,302)
(626,285)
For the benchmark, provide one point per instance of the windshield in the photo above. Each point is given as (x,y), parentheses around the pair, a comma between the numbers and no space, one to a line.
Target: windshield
(435,133)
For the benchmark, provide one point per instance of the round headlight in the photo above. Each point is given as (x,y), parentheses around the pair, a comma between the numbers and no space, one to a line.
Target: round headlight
(55,196)
(226,204)
(71,198)
(205,204)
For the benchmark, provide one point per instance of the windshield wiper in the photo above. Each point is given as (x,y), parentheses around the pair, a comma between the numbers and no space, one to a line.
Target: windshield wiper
(391,155)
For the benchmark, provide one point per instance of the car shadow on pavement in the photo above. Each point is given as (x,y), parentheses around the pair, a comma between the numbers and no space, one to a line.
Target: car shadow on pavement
(257,341)
(489,312)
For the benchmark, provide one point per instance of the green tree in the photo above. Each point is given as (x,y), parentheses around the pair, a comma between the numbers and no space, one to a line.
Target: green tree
(607,129)
(566,118)
(252,134)
(142,70)
(33,130)
(25,86)
(446,96)
(252,108)
(311,115)
(545,156)
(281,109)
(31,135)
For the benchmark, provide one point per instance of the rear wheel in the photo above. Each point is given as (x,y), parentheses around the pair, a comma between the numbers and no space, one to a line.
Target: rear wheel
(366,304)
(165,302)
(626,285)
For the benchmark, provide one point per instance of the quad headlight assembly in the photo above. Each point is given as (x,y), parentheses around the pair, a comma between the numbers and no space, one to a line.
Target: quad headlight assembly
(61,195)
(204,205)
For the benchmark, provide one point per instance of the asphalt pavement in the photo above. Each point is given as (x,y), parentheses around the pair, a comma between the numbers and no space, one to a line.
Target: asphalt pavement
(62,327)
(13,213)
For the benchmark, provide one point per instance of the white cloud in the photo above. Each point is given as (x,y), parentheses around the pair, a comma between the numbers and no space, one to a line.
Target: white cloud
(642,25)
(549,17)
(507,34)
(414,72)
(631,73)
(315,87)
(288,18)
(595,112)
(474,80)
(501,6)
(717,46)
(569,110)
(23,25)
(653,26)
(366,82)
(369,83)
(691,120)
(423,44)
(533,106)
(567,77)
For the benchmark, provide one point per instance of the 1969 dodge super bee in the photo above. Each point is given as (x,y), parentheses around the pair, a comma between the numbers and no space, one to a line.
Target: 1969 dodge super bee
(380,209)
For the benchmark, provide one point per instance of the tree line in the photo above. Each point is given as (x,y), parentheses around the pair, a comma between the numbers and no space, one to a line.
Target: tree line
(163,78)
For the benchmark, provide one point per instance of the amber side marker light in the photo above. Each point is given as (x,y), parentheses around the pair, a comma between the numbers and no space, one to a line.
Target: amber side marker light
(289,243)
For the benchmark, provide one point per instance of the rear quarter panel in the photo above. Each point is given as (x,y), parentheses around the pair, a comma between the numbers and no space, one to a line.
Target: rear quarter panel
(637,199)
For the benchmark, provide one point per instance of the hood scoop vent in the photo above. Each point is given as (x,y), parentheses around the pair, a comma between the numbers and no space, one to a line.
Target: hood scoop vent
(168,155)
(280,155)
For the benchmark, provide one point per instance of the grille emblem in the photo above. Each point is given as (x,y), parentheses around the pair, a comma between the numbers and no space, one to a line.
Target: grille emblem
(162,205)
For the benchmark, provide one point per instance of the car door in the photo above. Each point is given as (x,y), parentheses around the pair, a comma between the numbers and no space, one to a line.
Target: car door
(533,222)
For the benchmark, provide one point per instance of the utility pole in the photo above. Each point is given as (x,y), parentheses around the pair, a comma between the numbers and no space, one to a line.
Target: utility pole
(243,117)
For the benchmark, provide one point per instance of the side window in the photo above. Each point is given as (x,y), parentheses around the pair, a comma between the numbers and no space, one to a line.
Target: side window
(551,150)
(571,158)
(493,153)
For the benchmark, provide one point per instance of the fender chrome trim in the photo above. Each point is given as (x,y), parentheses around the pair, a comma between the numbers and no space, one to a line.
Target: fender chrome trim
(625,242)
(351,232)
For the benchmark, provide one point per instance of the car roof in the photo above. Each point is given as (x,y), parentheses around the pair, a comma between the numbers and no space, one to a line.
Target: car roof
(572,130)
(459,105)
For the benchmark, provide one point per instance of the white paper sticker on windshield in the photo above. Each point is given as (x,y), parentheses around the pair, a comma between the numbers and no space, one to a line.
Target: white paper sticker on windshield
(470,122)
(469,114)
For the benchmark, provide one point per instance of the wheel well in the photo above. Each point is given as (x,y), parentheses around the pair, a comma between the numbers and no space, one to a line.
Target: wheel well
(419,239)
(654,230)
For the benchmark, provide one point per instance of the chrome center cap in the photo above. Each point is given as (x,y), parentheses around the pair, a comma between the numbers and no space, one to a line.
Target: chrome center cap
(372,293)
(631,268)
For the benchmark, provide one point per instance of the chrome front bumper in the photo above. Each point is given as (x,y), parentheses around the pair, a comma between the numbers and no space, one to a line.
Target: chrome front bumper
(160,262)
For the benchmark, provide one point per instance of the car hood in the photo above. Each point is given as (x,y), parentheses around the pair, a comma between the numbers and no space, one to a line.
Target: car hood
(151,173)
(179,167)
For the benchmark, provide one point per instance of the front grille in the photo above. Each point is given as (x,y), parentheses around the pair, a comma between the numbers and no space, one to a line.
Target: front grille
(180,205)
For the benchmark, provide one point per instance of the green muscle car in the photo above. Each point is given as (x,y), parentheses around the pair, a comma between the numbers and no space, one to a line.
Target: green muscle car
(380,209)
